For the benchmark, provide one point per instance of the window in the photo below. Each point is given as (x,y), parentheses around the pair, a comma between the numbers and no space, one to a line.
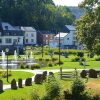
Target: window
(67,38)
(0,40)
(32,40)
(26,40)
(8,40)
(32,35)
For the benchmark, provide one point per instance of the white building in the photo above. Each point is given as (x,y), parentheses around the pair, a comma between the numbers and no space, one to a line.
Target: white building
(10,37)
(30,35)
(67,38)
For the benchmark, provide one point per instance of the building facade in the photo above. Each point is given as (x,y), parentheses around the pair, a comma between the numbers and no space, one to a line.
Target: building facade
(10,37)
(30,35)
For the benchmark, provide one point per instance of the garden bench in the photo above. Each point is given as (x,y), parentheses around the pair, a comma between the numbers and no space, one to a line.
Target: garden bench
(66,74)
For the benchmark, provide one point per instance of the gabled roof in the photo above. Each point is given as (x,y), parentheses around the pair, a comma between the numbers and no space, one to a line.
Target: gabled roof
(71,27)
(7,26)
(28,29)
(62,35)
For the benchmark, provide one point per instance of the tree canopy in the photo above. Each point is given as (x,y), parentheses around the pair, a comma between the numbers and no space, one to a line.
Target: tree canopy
(88,26)
(42,14)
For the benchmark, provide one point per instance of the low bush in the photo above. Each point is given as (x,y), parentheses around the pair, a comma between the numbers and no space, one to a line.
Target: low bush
(28,82)
(13,84)
(22,66)
(80,54)
(54,59)
(76,59)
(50,64)
(27,66)
(83,74)
(38,78)
(92,73)
(47,59)
(35,66)
(61,62)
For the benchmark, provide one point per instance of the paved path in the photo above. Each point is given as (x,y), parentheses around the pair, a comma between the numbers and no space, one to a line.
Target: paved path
(36,72)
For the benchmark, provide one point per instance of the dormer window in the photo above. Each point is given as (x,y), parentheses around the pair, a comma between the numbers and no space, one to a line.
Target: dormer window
(6,27)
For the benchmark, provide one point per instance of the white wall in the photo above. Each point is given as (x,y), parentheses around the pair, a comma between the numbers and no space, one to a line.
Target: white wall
(12,38)
(28,35)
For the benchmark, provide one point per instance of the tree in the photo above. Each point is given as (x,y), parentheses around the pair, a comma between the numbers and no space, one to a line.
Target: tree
(88,26)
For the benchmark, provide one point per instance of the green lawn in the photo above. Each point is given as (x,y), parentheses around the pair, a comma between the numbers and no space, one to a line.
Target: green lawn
(26,91)
(16,75)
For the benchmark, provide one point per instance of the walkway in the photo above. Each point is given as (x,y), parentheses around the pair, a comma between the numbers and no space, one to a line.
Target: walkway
(36,72)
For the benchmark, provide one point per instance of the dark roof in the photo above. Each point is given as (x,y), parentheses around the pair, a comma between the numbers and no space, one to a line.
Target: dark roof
(70,27)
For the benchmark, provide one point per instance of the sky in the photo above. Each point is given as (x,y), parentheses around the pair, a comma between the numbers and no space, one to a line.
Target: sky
(67,2)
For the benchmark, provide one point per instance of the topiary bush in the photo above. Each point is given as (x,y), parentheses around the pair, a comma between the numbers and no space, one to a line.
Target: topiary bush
(83,74)
(44,76)
(92,73)
(28,82)
(38,78)
(20,83)
(13,84)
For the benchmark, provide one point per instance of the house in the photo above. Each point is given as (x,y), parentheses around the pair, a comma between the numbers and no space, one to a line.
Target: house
(65,40)
(30,35)
(44,37)
(10,37)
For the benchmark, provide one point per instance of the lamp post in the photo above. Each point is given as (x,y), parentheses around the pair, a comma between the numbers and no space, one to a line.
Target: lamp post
(42,46)
(7,50)
(59,58)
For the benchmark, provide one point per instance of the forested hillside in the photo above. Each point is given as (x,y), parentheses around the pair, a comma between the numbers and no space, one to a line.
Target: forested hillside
(78,12)
(42,14)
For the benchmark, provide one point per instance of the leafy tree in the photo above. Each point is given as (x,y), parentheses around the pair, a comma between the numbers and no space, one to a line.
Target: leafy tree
(88,26)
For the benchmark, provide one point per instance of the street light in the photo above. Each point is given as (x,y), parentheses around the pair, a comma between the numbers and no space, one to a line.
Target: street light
(7,50)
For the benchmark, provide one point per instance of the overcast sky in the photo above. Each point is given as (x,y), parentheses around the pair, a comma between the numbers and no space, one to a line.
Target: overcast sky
(67,2)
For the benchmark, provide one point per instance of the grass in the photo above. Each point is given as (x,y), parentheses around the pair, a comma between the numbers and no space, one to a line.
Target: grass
(25,93)
(16,75)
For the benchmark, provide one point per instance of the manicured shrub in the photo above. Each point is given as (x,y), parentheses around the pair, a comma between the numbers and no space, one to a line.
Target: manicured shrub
(40,59)
(51,73)
(76,59)
(44,76)
(1,86)
(27,66)
(52,88)
(83,74)
(80,54)
(50,64)
(54,59)
(35,66)
(47,59)
(38,78)
(28,82)
(22,66)
(13,84)
(92,73)
(20,83)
